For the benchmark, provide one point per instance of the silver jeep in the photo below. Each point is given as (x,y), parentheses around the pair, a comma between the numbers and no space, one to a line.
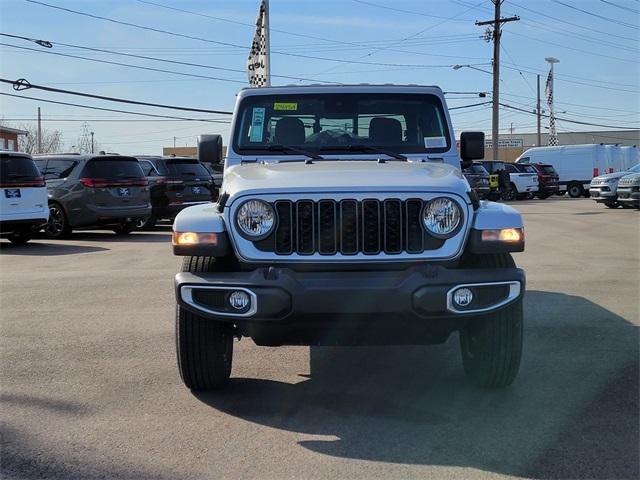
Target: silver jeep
(344,219)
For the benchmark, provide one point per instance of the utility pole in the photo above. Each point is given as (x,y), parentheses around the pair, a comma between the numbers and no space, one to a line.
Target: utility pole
(496,22)
(539,114)
(39,132)
(174,142)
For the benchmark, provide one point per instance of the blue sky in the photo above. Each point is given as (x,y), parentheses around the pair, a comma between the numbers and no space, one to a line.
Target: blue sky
(597,79)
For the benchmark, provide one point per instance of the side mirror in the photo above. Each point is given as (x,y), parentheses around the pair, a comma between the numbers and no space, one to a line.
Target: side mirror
(210,149)
(471,148)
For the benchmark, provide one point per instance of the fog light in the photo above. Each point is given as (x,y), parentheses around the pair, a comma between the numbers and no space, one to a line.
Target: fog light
(239,300)
(463,297)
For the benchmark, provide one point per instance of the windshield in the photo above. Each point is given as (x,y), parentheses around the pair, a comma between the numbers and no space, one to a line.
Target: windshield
(635,169)
(405,123)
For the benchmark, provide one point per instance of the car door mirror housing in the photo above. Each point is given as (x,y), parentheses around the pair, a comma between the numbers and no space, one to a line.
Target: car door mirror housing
(471,148)
(210,149)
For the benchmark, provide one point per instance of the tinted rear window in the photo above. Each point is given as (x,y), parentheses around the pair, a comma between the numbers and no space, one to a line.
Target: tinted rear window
(17,168)
(548,169)
(113,168)
(526,168)
(186,167)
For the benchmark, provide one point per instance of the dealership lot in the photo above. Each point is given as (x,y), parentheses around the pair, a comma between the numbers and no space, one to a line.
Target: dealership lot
(89,385)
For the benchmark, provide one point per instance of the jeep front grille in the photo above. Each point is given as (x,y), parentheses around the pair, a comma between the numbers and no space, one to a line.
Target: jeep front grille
(349,227)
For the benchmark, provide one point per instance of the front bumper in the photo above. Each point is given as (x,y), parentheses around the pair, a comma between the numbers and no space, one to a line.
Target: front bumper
(292,307)
(602,194)
(629,195)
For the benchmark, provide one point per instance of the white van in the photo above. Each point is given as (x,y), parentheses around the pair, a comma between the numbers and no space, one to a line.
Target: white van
(630,156)
(576,164)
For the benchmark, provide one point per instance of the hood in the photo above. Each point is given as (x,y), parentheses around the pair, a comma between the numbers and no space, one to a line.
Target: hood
(343,176)
(611,176)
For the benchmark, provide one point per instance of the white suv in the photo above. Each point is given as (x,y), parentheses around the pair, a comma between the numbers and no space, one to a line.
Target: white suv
(344,219)
(23,197)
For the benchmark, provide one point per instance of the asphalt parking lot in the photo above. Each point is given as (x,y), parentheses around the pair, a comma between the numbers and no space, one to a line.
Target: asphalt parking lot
(90,388)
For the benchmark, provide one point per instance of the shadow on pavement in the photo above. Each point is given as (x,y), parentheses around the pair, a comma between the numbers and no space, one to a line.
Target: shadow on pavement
(572,412)
(139,237)
(39,248)
(22,459)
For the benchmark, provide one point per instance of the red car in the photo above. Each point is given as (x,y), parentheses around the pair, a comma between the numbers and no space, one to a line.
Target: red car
(547,179)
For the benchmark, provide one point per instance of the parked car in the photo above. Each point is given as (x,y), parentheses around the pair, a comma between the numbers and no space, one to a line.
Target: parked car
(478,179)
(629,191)
(23,197)
(494,178)
(576,165)
(94,191)
(514,184)
(547,178)
(604,188)
(336,228)
(175,183)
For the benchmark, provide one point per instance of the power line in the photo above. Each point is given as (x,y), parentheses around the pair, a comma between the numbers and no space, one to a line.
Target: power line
(121,64)
(410,12)
(23,84)
(621,6)
(144,57)
(615,127)
(154,115)
(216,42)
(601,17)
(609,34)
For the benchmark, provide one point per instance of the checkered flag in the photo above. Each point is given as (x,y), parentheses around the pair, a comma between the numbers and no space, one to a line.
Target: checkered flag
(548,92)
(258,60)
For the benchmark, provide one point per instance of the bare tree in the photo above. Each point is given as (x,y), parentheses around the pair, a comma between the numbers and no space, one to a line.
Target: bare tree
(51,140)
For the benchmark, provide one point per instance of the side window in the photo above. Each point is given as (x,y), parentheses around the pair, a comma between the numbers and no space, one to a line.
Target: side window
(58,169)
(510,168)
(147,168)
(524,160)
(41,163)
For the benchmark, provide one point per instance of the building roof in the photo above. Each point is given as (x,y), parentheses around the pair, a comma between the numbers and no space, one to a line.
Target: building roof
(13,130)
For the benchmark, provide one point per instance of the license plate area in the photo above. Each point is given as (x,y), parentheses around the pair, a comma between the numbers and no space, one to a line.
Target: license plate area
(124,192)
(196,190)
(12,193)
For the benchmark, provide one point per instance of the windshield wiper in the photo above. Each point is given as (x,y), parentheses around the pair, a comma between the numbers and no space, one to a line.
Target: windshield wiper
(366,148)
(286,148)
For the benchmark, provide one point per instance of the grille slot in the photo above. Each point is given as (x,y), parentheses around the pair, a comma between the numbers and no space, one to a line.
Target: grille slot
(349,227)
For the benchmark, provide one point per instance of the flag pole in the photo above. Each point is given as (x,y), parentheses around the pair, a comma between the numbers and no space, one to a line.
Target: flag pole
(267,43)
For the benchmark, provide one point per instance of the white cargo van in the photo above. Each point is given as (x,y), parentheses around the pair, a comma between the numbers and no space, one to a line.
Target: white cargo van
(630,156)
(576,164)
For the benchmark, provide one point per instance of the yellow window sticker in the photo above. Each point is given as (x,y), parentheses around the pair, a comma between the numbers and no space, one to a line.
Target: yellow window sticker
(285,106)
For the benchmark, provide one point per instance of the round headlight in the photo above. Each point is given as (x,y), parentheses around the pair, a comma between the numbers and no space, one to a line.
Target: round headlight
(255,219)
(442,217)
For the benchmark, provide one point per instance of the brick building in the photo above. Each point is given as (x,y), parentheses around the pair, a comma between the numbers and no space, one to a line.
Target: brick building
(9,138)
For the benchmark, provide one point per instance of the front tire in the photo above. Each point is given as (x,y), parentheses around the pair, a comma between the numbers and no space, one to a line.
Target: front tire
(124,228)
(205,351)
(612,204)
(20,237)
(204,346)
(491,345)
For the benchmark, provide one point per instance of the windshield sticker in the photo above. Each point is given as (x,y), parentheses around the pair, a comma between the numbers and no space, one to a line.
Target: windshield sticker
(257,124)
(288,106)
(435,142)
